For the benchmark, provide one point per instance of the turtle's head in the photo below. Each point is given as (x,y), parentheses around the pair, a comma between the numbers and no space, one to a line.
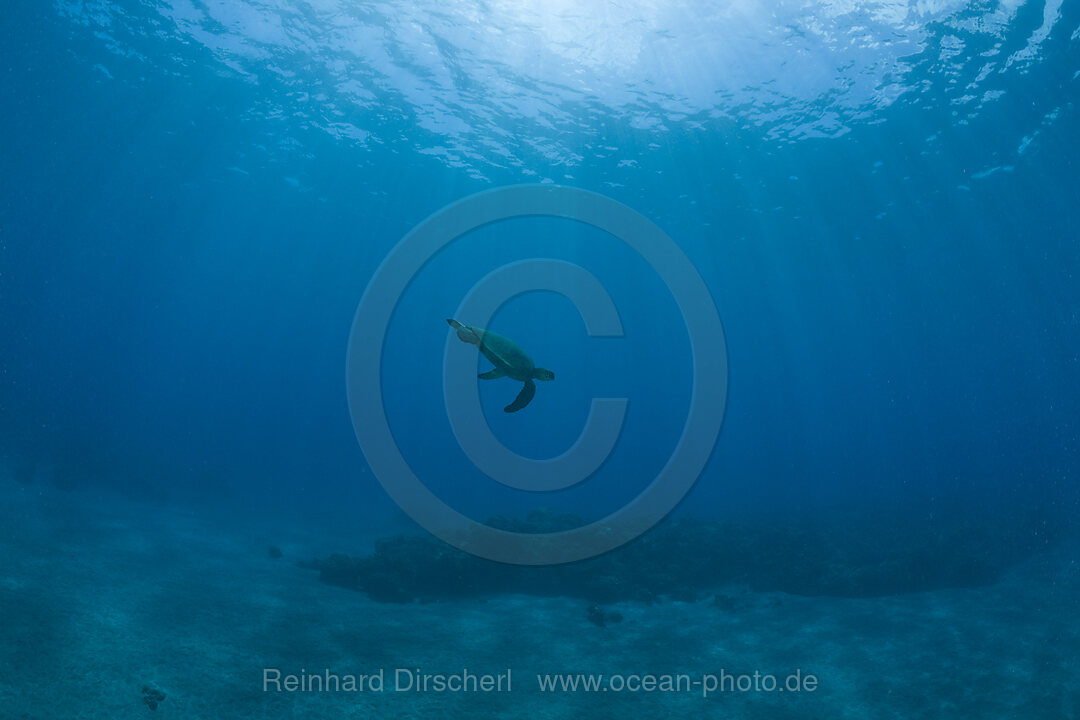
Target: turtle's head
(543,374)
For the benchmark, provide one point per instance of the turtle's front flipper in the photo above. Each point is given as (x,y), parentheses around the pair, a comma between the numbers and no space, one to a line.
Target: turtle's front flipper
(523,397)
(492,374)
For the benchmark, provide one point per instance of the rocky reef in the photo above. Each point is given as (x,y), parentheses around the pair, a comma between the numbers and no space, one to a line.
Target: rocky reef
(687,558)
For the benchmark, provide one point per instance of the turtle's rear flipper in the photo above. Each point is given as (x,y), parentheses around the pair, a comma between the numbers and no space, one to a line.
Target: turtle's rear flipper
(464,332)
(523,397)
(492,374)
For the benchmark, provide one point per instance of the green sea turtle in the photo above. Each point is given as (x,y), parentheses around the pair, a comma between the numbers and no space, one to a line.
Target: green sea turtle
(509,360)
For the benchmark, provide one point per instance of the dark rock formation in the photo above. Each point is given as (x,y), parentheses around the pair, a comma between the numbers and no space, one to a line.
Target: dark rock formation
(600,617)
(152,697)
(687,559)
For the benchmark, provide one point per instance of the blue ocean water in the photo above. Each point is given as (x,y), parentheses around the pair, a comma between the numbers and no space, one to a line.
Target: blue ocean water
(880,196)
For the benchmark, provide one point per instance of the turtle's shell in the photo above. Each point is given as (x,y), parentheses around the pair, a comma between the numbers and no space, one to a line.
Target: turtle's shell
(504,353)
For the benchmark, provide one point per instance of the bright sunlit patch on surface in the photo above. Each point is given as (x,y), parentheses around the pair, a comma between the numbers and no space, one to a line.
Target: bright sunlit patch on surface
(492,83)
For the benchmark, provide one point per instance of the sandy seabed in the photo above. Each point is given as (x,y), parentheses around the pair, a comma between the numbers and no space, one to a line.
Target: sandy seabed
(102,599)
